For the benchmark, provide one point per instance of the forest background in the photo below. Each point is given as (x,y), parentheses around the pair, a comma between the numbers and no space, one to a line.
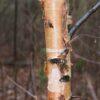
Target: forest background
(22,51)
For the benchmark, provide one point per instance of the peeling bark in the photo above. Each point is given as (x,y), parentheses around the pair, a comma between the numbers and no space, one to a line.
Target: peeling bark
(58,66)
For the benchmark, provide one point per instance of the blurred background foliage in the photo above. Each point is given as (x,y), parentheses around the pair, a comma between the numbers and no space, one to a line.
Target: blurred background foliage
(30,49)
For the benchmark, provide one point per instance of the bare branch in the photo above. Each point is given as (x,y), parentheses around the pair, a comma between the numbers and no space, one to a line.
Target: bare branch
(81,35)
(87,35)
(83,19)
(89,48)
(85,59)
(20,87)
(90,36)
(90,86)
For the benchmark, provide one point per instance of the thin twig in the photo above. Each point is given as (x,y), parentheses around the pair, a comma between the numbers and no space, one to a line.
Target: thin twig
(87,35)
(2,81)
(89,48)
(90,86)
(30,77)
(15,44)
(20,87)
(90,36)
(83,19)
(84,58)
(81,35)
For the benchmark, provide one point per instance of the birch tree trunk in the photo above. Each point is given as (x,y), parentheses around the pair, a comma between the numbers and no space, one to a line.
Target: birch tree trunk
(58,66)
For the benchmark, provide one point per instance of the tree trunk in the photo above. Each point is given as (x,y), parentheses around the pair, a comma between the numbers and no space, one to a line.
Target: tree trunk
(58,66)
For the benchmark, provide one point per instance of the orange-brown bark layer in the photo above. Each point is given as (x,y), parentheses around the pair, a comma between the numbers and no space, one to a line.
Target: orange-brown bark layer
(53,13)
(54,31)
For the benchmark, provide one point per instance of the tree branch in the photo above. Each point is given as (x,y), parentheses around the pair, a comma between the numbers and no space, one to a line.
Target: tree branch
(90,86)
(76,55)
(83,19)
(20,87)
